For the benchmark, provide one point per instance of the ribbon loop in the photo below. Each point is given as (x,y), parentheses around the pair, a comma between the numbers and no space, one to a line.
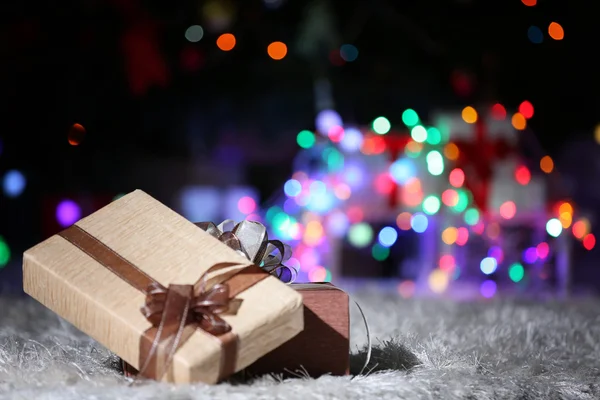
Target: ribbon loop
(250,239)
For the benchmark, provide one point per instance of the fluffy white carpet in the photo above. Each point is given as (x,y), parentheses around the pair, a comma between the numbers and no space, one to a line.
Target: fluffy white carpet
(426,349)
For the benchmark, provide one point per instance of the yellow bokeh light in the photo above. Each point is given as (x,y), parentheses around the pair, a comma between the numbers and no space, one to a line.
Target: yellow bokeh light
(546,164)
(313,233)
(469,115)
(438,281)
(566,219)
(451,151)
(565,208)
(449,235)
(519,122)
(597,133)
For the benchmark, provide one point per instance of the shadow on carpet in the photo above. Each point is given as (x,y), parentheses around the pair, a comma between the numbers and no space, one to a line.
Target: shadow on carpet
(423,349)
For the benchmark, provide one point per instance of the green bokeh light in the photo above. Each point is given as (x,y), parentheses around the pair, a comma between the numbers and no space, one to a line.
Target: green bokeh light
(431,205)
(516,272)
(306,139)
(379,252)
(434,136)
(360,235)
(410,117)
(462,203)
(4,253)
(471,216)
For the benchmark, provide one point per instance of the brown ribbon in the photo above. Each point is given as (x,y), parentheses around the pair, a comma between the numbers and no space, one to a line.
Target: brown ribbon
(177,311)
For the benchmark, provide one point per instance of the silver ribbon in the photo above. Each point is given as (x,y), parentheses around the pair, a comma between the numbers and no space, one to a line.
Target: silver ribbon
(250,239)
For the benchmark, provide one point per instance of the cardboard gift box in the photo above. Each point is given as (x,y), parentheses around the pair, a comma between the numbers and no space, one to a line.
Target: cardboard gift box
(164,295)
(323,347)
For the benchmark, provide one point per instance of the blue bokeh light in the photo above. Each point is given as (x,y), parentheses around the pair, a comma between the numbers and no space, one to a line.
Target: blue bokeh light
(488,265)
(14,183)
(388,236)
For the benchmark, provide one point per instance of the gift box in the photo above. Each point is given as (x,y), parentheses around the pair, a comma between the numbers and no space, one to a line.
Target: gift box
(323,347)
(170,299)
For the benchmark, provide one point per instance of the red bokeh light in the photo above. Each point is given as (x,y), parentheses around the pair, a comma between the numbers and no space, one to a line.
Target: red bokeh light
(498,112)
(522,175)
(526,109)
(589,241)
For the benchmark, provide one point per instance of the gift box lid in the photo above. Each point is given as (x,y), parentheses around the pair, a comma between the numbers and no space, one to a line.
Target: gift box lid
(171,250)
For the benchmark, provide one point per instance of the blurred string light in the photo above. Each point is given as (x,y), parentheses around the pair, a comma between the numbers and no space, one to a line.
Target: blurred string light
(348,52)
(306,139)
(535,35)
(410,117)
(13,183)
(469,115)
(526,109)
(277,50)
(546,164)
(4,253)
(556,31)
(76,134)
(381,125)
(67,213)
(488,288)
(226,42)
(326,120)
(518,121)
(194,33)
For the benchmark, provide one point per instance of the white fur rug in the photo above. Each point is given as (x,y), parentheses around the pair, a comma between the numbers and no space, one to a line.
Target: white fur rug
(426,349)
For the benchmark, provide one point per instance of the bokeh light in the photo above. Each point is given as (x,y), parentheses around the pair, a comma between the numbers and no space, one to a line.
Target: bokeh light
(488,265)
(530,255)
(556,31)
(469,115)
(327,119)
(462,236)
(247,205)
(13,183)
(348,52)
(360,235)
(451,151)
(526,109)
(277,50)
(542,250)
(438,281)
(403,170)
(4,253)
(519,122)
(419,222)
(508,210)
(67,213)
(418,134)
(306,139)
(410,117)
(403,221)
(516,272)
(431,205)
(388,236)
(535,35)
(381,125)
(488,289)
(554,227)
(76,134)
(456,177)
(546,164)
(498,112)
(352,140)
(449,235)
(522,175)
(529,3)
(406,289)
(194,33)
(226,42)
(589,241)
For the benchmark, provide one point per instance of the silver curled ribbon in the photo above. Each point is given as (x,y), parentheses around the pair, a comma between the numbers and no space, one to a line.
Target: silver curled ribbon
(250,239)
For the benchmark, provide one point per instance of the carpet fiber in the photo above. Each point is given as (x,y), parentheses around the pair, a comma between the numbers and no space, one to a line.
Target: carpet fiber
(424,349)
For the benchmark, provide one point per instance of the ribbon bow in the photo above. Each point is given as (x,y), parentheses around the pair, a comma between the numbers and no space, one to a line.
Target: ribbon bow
(170,310)
(250,239)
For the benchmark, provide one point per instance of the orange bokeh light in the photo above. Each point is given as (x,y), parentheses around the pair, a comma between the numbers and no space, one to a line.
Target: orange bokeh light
(556,31)
(226,42)
(469,115)
(76,134)
(546,164)
(451,151)
(277,50)
(519,122)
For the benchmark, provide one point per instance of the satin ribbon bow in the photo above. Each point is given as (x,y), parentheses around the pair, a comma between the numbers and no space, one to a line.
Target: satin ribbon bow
(170,310)
(203,309)
(250,239)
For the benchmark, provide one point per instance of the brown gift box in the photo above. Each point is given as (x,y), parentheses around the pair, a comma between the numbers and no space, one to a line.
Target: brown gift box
(98,273)
(323,347)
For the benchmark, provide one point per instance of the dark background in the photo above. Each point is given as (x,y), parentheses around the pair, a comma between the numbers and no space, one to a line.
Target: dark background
(238,112)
